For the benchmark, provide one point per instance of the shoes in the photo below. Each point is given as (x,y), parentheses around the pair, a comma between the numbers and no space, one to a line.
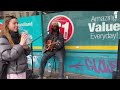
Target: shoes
(60,77)
(39,77)
(42,77)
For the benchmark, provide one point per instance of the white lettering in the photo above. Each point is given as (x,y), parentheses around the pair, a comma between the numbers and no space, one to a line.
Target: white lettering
(25,24)
(103,18)
(104,36)
(103,26)
(93,19)
(98,28)
(109,27)
(91,27)
(116,27)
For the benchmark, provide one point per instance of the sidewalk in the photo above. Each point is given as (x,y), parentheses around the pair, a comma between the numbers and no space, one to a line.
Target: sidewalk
(67,75)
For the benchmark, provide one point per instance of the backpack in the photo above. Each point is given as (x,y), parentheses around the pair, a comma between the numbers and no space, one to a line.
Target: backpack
(3,66)
(3,69)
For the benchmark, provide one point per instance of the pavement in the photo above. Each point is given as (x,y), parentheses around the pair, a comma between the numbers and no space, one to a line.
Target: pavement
(67,75)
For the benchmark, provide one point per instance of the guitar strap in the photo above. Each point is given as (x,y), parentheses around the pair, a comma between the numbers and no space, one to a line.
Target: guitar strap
(54,39)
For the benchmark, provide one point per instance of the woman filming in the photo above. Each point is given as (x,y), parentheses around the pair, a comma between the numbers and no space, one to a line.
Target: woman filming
(13,48)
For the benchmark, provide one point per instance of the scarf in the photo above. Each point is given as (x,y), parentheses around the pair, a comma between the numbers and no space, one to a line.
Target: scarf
(15,37)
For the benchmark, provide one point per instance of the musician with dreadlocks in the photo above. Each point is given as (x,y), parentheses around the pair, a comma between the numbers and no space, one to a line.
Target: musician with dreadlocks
(53,46)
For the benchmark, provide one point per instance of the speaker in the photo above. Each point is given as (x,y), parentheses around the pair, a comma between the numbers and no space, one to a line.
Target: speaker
(116,75)
(30,75)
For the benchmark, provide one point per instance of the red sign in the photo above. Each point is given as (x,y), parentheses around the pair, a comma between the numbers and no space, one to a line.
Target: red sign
(65,25)
(1,26)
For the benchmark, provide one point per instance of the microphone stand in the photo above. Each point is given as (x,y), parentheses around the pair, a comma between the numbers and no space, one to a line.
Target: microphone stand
(31,46)
(32,58)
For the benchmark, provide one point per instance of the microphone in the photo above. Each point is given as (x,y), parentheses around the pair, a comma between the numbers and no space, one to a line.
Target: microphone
(31,41)
(29,38)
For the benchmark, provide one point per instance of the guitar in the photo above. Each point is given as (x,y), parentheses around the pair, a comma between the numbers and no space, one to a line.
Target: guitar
(50,45)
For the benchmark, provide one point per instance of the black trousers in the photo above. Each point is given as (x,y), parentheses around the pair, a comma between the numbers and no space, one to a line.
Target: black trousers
(46,56)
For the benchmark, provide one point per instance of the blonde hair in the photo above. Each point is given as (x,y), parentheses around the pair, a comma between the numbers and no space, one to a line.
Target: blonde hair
(5,30)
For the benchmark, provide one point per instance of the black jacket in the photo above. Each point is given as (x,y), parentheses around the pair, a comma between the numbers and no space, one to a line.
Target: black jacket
(60,38)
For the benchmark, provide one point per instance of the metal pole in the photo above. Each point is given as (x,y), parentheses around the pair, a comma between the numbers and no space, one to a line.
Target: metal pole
(32,57)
